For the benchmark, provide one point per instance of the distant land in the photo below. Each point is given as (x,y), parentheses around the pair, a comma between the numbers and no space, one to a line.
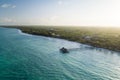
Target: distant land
(102,37)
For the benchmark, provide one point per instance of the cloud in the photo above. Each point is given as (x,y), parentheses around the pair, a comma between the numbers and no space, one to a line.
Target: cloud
(5,5)
(8,6)
(14,6)
(8,20)
(60,2)
(54,18)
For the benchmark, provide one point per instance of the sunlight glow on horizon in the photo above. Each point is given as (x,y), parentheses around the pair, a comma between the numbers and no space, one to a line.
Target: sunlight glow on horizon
(61,12)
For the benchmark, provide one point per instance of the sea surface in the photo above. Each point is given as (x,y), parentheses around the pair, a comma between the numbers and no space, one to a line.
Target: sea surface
(30,57)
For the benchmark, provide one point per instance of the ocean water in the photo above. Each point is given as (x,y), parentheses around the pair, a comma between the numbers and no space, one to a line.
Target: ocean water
(30,57)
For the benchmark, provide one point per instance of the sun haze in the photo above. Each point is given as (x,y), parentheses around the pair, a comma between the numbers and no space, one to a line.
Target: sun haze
(60,12)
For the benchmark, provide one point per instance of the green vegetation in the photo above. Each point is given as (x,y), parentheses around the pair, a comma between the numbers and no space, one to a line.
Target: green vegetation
(108,38)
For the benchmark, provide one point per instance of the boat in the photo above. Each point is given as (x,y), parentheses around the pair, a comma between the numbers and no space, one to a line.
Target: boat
(64,50)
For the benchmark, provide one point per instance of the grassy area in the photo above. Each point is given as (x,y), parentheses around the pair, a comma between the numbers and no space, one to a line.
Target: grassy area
(108,38)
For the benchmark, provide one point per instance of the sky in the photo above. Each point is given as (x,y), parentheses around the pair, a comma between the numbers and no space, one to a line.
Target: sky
(60,12)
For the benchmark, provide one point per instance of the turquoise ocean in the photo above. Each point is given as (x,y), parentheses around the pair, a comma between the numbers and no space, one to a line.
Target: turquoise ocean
(29,57)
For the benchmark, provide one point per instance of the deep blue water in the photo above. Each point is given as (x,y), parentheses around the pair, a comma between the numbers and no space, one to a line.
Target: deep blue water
(29,57)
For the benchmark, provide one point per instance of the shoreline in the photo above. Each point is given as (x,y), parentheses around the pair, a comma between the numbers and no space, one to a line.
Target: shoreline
(62,34)
(70,40)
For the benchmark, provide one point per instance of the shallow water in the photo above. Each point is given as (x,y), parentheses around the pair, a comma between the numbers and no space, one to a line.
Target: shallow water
(29,57)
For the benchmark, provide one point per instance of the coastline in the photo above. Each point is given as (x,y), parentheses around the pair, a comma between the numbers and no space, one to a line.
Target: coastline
(66,33)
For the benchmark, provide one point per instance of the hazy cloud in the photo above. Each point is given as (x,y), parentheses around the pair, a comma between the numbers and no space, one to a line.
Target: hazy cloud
(60,2)
(8,20)
(14,6)
(8,6)
(54,18)
(5,5)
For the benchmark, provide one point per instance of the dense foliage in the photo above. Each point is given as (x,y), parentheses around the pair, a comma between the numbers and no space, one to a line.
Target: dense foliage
(108,38)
